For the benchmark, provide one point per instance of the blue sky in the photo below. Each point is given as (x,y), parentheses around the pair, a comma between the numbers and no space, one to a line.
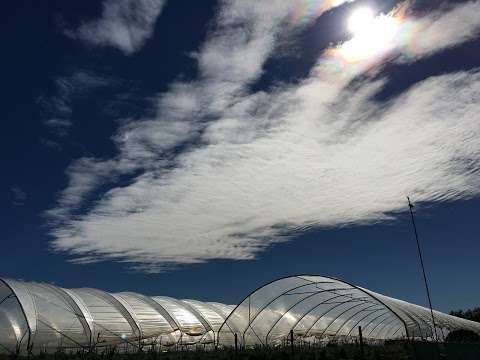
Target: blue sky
(200,149)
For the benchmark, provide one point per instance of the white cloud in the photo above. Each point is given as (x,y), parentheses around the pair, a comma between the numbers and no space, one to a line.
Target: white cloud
(314,154)
(19,196)
(58,107)
(125,24)
(85,175)
(62,123)
(142,144)
(442,29)
(311,168)
(58,126)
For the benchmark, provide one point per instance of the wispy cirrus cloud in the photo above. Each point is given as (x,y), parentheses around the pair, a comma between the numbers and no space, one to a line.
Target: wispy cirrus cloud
(124,24)
(19,196)
(445,28)
(225,172)
(57,108)
(183,112)
(59,126)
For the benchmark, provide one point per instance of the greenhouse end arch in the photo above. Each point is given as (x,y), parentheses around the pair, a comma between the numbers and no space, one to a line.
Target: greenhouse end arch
(39,317)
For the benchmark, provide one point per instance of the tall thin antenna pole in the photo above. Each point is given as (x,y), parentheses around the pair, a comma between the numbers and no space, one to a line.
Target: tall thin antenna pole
(410,206)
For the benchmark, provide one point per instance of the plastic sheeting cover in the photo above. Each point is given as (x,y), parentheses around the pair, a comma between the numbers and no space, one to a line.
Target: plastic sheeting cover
(37,317)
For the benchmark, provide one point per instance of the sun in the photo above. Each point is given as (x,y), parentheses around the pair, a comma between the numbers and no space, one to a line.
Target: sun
(361,19)
(372,35)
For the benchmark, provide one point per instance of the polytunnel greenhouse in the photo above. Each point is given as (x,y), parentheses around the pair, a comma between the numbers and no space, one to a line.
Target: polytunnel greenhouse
(38,317)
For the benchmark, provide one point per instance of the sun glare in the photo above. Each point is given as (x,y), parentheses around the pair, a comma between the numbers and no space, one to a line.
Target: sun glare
(372,35)
(360,19)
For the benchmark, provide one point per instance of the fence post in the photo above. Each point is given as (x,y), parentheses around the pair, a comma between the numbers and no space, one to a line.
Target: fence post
(291,342)
(236,343)
(361,342)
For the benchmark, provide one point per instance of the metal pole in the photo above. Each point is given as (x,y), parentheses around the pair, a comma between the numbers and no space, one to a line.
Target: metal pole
(410,206)
(291,342)
(236,343)
(361,342)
